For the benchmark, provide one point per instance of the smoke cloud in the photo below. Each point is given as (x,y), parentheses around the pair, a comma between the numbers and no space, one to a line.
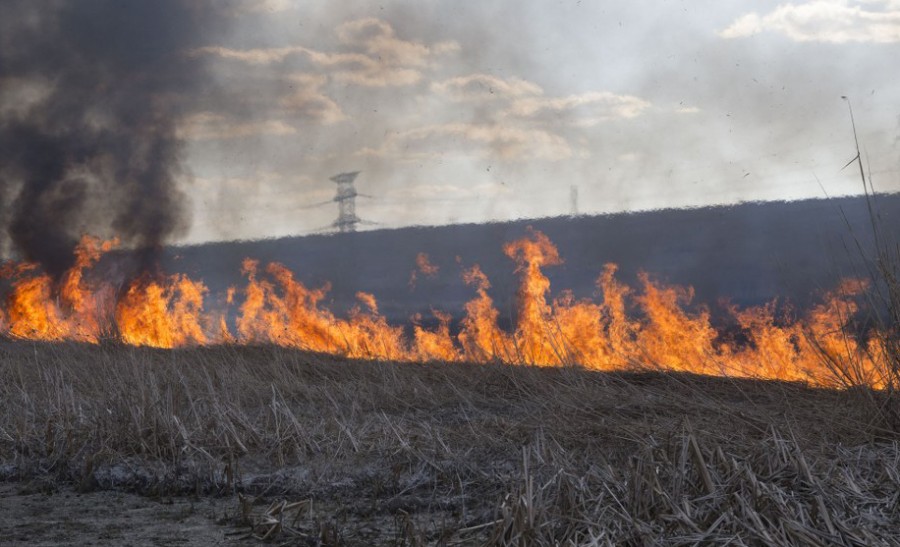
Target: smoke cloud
(454,112)
(467,112)
(91,94)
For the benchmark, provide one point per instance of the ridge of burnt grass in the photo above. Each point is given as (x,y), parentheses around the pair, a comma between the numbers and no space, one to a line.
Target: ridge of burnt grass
(495,454)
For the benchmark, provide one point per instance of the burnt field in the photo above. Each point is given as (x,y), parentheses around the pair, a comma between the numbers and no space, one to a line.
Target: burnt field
(111,444)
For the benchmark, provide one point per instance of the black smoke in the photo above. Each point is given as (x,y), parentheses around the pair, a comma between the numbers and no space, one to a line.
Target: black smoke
(91,95)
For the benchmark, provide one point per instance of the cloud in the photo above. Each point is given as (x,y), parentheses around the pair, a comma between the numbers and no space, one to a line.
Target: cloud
(466,116)
(494,140)
(256,56)
(360,69)
(830,21)
(377,56)
(379,40)
(354,68)
(210,126)
(481,87)
(527,100)
(309,102)
(18,95)
(585,109)
(379,77)
(262,6)
(526,125)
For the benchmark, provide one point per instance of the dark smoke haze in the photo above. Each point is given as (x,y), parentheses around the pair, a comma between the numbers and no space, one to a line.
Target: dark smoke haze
(90,95)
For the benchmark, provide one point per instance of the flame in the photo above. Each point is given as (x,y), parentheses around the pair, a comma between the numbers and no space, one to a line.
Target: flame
(423,263)
(285,312)
(672,338)
(423,266)
(652,326)
(37,309)
(435,345)
(533,339)
(481,338)
(167,314)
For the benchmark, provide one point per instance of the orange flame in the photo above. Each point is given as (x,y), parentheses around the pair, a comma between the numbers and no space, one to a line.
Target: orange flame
(423,266)
(655,326)
(534,340)
(435,345)
(166,314)
(38,310)
(481,338)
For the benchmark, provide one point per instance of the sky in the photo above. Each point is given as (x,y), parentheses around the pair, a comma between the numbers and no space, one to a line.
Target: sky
(467,111)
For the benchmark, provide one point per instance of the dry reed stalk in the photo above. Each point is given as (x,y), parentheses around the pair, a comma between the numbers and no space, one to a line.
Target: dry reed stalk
(454,454)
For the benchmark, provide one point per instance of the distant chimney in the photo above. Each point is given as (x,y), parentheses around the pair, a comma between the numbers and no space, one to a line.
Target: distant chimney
(573,198)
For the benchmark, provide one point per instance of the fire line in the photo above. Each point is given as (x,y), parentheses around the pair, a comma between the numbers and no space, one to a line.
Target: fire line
(649,326)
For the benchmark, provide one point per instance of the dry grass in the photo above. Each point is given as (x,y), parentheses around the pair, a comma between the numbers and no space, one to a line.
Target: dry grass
(882,267)
(453,454)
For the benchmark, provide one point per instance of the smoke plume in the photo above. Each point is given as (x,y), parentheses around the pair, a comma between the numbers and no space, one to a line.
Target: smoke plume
(91,92)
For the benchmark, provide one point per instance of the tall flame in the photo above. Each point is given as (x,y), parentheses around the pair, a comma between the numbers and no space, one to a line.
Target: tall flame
(655,325)
(534,339)
(481,338)
(38,310)
(162,314)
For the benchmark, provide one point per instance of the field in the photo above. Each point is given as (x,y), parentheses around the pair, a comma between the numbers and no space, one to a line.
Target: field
(234,444)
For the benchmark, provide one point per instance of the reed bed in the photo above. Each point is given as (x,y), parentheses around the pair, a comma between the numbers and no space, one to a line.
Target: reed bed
(323,451)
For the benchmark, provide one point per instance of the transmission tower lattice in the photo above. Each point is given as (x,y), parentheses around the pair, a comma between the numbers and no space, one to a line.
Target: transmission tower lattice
(346,199)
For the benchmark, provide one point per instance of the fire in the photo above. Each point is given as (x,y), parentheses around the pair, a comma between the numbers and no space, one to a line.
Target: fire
(672,338)
(534,339)
(436,345)
(652,326)
(423,263)
(164,314)
(283,311)
(481,338)
(424,267)
(38,310)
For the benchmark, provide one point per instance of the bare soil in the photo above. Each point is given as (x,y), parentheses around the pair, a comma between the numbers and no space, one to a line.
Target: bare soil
(35,513)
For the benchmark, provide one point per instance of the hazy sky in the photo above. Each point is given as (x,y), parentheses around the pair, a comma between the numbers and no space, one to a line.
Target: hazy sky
(468,111)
